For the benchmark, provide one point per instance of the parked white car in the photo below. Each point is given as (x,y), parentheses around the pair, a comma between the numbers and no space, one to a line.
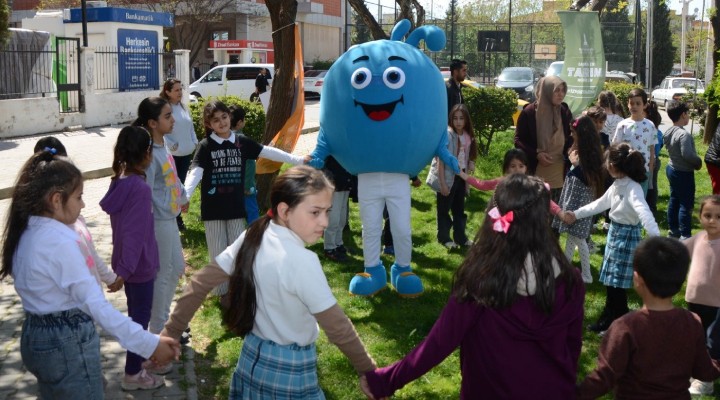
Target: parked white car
(230,79)
(674,87)
(313,82)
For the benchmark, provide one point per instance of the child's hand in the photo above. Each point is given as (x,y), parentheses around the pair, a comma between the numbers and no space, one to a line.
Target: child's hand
(569,218)
(307,159)
(184,208)
(574,158)
(117,285)
(366,388)
(544,159)
(416,182)
(463,175)
(444,190)
(168,349)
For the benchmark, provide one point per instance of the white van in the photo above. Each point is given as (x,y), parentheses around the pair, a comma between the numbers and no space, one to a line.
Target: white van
(230,79)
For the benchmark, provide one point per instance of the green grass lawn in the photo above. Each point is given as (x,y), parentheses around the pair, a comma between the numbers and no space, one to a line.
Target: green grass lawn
(388,325)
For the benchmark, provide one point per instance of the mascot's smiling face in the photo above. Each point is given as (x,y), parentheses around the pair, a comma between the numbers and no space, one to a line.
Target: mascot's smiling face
(383,106)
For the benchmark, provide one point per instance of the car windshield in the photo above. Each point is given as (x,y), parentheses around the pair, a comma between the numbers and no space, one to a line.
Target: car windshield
(554,69)
(681,83)
(516,75)
(315,73)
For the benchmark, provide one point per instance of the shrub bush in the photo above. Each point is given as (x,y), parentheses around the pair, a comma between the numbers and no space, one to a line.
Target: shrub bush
(322,64)
(491,110)
(254,116)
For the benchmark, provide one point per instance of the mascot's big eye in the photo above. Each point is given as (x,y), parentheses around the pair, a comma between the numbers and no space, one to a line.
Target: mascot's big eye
(394,78)
(361,78)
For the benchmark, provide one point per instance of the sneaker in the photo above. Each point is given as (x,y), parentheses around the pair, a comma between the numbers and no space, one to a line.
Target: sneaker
(673,235)
(586,277)
(605,226)
(335,255)
(342,249)
(151,368)
(468,243)
(684,237)
(185,337)
(451,245)
(389,250)
(142,381)
(699,387)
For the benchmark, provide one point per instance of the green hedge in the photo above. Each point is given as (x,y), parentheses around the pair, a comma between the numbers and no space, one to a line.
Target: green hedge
(491,110)
(254,116)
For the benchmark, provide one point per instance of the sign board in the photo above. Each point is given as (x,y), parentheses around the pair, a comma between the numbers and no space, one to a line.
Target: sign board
(126,15)
(138,59)
(493,41)
(545,52)
(584,67)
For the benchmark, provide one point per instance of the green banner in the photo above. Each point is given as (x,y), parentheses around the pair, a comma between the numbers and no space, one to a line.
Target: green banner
(584,67)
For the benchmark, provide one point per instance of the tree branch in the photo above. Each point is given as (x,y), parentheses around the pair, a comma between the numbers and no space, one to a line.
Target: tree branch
(375,29)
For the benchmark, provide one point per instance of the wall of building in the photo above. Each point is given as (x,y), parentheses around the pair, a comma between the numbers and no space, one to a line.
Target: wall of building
(320,42)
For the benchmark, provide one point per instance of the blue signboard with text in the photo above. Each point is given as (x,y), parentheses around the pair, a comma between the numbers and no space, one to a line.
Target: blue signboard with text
(127,15)
(138,55)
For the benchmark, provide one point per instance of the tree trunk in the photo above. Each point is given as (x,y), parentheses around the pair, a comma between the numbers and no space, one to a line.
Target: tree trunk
(282,17)
(375,29)
(711,122)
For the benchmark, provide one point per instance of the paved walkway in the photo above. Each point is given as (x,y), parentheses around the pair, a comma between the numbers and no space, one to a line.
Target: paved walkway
(91,150)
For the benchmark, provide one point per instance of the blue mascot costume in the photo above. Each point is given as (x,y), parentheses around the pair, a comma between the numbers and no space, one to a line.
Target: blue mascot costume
(383,117)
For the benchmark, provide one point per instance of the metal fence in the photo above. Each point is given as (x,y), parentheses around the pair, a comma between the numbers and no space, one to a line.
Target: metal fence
(118,69)
(27,71)
(530,45)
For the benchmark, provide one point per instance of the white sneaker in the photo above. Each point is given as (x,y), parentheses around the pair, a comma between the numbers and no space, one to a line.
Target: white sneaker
(451,245)
(150,367)
(699,387)
(142,381)
(684,238)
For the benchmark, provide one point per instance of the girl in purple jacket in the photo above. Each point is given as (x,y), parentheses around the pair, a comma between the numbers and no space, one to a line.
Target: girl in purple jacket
(135,253)
(515,310)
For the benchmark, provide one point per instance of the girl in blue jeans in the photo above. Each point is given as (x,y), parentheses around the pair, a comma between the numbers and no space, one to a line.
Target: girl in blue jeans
(60,296)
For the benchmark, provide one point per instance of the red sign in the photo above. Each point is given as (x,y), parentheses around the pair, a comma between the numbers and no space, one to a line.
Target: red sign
(240,44)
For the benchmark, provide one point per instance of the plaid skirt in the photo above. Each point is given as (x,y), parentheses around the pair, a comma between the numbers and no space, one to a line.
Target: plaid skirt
(617,269)
(267,370)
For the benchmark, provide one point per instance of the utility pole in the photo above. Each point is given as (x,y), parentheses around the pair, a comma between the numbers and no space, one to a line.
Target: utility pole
(638,38)
(683,33)
(648,46)
(509,31)
(452,29)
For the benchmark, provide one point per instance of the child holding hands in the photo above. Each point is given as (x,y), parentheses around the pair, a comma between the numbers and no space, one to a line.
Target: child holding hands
(515,311)
(278,294)
(135,252)
(628,208)
(61,299)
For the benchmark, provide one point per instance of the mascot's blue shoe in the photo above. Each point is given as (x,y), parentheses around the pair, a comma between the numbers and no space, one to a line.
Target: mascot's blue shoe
(405,281)
(373,280)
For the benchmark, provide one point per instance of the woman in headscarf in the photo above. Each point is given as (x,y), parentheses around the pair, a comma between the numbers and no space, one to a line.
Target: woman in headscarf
(543,133)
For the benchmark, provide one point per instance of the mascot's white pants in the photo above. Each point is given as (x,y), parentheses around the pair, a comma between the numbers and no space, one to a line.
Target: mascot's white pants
(376,190)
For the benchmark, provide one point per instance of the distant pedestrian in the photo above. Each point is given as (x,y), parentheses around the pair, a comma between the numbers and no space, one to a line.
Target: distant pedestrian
(170,73)
(128,201)
(196,71)
(458,73)
(60,297)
